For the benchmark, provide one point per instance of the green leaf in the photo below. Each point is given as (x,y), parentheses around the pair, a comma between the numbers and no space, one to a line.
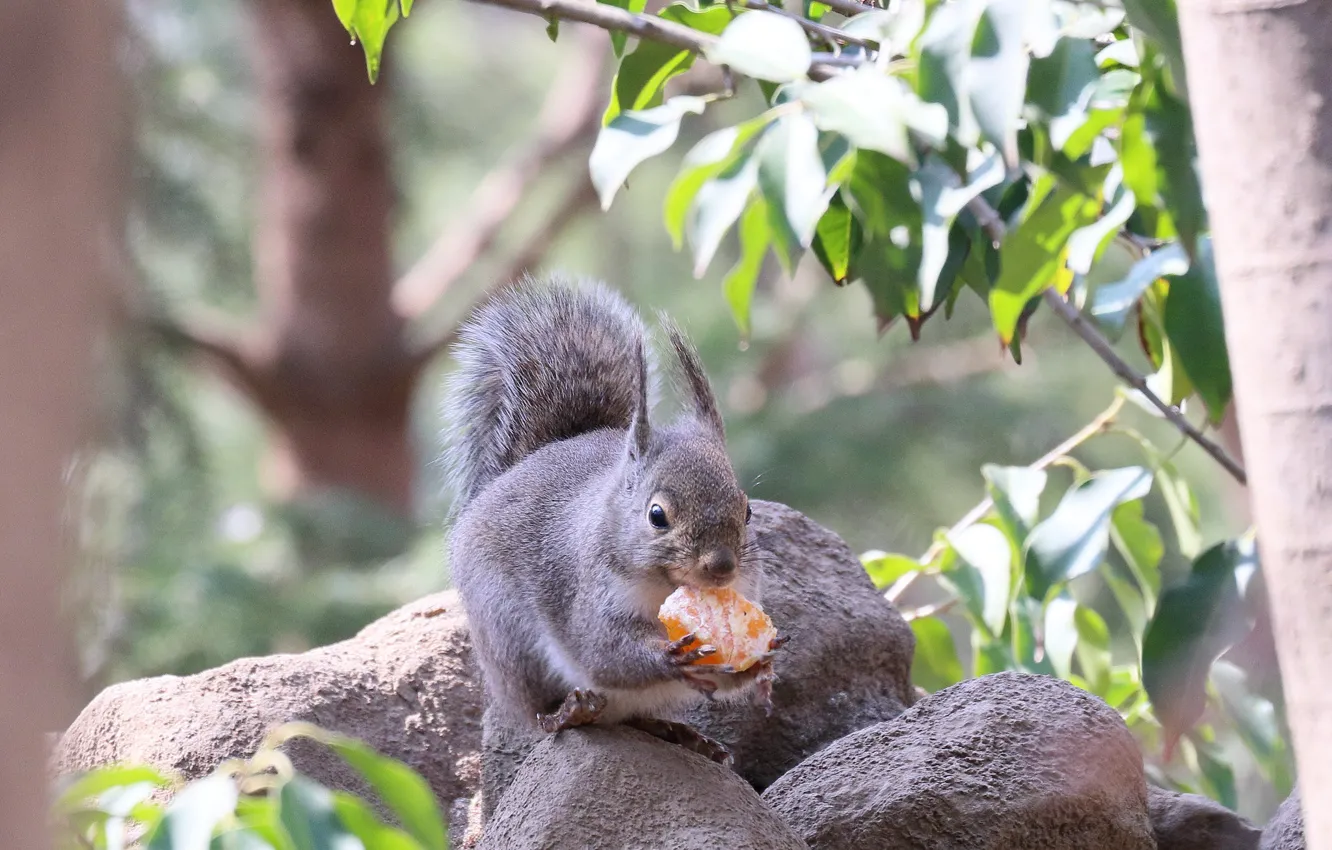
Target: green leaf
(361,821)
(942,197)
(1062,86)
(239,839)
(1027,651)
(893,29)
(1074,539)
(640,81)
(714,154)
(945,54)
(717,205)
(368,21)
(794,184)
(986,550)
(553,29)
(763,45)
(1113,302)
(997,75)
(1194,623)
(345,10)
(633,6)
(1159,21)
(873,110)
(1086,243)
(94,783)
(1032,254)
(1196,329)
(306,811)
(885,568)
(1093,650)
(1170,129)
(1016,491)
(1258,723)
(633,137)
(1129,596)
(837,238)
(1139,543)
(1218,778)
(936,665)
(1061,634)
(755,235)
(194,813)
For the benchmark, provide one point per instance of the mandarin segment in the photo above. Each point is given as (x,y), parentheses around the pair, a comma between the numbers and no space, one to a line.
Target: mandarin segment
(738,628)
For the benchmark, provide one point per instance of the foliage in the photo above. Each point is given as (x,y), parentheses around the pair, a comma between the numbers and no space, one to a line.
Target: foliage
(260,803)
(1067,583)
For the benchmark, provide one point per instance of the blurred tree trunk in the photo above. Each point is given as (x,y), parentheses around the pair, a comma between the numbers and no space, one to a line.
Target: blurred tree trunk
(60,170)
(1259,76)
(329,368)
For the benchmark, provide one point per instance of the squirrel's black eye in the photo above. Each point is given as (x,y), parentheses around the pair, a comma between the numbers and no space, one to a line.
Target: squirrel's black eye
(657,516)
(749,514)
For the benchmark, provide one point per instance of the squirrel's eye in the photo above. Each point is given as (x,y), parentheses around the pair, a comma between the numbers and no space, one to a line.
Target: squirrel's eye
(749,514)
(657,516)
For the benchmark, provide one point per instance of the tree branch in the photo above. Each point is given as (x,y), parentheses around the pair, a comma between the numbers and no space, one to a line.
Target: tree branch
(569,120)
(218,341)
(995,228)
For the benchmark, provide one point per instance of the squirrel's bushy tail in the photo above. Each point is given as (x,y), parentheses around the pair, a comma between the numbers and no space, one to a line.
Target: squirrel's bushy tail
(544,361)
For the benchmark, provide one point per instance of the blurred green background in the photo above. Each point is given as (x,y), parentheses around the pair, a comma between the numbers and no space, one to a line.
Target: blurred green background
(189,561)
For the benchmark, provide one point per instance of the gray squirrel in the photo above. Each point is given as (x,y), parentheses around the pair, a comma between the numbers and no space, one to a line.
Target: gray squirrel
(575,516)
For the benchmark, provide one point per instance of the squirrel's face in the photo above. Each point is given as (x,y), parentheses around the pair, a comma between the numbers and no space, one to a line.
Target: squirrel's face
(692,514)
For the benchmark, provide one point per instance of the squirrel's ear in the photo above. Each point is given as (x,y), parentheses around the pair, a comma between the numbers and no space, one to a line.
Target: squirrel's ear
(705,403)
(640,428)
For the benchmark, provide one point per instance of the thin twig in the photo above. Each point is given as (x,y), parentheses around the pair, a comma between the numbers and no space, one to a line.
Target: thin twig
(930,610)
(568,121)
(1097,425)
(832,35)
(994,226)
(849,7)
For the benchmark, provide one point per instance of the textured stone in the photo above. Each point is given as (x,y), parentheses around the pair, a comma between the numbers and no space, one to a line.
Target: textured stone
(1194,822)
(1004,762)
(1285,831)
(622,789)
(404,685)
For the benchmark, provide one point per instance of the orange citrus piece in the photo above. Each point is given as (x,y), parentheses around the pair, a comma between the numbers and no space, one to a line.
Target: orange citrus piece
(738,628)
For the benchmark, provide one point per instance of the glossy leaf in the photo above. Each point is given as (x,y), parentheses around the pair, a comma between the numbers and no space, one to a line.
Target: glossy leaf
(1016,491)
(1074,539)
(361,821)
(894,29)
(641,78)
(1258,723)
(837,238)
(1032,255)
(194,813)
(1159,21)
(94,783)
(986,550)
(945,54)
(873,111)
(1113,303)
(1093,649)
(1183,508)
(1086,243)
(794,184)
(1061,634)
(765,46)
(714,153)
(997,74)
(936,665)
(1196,329)
(717,206)
(1139,543)
(740,281)
(1062,84)
(307,814)
(1194,623)
(633,137)
(942,197)
(617,39)
(368,22)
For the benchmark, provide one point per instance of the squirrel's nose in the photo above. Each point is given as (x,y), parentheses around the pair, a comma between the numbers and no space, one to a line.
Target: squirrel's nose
(719,564)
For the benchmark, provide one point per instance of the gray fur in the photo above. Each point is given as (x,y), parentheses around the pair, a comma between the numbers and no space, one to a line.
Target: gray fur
(556,465)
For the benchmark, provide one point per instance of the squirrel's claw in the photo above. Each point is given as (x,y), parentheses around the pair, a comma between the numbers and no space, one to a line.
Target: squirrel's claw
(580,708)
(695,654)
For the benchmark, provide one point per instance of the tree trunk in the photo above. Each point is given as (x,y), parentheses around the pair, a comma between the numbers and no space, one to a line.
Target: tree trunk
(60,169)
(1259,76)
(329,364)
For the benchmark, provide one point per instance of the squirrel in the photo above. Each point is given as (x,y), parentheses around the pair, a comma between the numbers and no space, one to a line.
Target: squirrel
(575,515)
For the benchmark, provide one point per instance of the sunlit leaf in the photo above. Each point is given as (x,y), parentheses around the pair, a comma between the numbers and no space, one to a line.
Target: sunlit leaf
(763,45)
(942,196)
(1194,623)
(873,111)
(641,78)
(1112,303)
(717,206)
(1061,86)
(194,813)
(1086,243)
(361,821)
(739,283)
(94,783)
(1159,21)
(714,153)
(894,29)
(1139,542)
(1016,491)
(885,568)
(1196,329)
(1061,635)
(945,54)
(997,74)
(986,550)
(936,665)
(837,238)
(633,137)
(306,811)
(617,39)
(1028,653)
(794,184)
(1075,538)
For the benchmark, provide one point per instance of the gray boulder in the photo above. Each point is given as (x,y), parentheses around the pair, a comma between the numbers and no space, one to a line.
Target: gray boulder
(404,685)
(1004,762)
(619,789)
(1194,822)
(1285,831)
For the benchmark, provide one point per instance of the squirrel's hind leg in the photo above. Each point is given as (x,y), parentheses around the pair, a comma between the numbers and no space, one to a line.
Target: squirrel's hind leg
(684,735)
(580,708)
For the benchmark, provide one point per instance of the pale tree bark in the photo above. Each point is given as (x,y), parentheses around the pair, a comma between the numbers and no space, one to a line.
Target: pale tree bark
(60,99)
(1260,74)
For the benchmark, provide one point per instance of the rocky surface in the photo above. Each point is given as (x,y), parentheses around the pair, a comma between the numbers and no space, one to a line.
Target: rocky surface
(1004,762)
(1193,822)
(1285,831)
(620,788)
(404,685)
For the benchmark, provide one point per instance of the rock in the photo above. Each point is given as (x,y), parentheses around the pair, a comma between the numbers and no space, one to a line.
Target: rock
(1007,761)
(1285,831)
(847,666)
(620,788)
(404,685)
(1194,822)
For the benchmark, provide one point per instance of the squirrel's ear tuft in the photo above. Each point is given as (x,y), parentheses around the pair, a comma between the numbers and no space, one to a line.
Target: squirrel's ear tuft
(700,391)
(640,430)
